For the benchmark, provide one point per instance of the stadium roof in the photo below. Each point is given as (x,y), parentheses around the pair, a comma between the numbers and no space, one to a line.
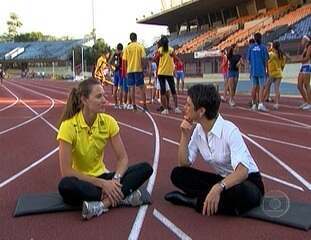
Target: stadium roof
(188,11)
(40,51)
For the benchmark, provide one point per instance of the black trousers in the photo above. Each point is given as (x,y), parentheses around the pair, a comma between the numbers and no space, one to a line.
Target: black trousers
(74,191)
(170,81)
(234,201)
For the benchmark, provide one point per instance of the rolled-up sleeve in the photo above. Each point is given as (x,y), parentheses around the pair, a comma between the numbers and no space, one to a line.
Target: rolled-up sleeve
(238,150)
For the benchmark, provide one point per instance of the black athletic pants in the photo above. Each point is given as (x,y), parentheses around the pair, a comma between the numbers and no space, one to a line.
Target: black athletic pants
(234,201)
(74,191)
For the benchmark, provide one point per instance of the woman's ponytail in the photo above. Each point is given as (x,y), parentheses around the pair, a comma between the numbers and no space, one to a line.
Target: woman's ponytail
(73,105)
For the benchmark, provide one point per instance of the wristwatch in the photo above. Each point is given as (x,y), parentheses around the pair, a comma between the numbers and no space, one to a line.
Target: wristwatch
(223,185)
(117,176)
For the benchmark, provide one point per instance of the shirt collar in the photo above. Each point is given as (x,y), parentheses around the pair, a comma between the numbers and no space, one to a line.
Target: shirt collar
(82,122)
(216,129)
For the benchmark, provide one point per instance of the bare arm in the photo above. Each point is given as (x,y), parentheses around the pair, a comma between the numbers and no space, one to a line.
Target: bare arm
(119,150)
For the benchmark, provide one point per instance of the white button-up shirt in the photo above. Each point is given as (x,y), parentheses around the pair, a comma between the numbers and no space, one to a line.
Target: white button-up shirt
(223,147)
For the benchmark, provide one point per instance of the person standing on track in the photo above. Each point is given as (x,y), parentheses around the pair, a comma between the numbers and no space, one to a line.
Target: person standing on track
(224,68)
(179,75)
(304,74)
(133,57)
(165,57)
(119,82)
(258,59)
(236,186)
(235,60)
(83,134)
(276,65)
(100,67)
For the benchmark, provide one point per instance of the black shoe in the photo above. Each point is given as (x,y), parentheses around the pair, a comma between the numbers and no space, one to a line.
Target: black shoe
(134,108)
(179,198)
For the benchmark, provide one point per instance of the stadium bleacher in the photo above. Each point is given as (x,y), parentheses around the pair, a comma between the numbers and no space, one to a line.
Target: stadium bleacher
(49,50)
(298,30)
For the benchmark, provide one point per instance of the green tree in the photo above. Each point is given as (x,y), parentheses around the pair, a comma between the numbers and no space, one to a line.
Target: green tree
(13,25)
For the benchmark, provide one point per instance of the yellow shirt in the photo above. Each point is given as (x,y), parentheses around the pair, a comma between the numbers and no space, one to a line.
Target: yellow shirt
(100,65)
(166,63)
(88,143)
(133,55)
(275,65)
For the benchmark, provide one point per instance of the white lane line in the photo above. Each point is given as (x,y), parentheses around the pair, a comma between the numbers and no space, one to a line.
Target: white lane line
(279,141)
(135,231)
(171,226)
(293,114)
(135,128)
(278,117)
(262,174)
(31,119)
(2,184)
(264,121)
(281,163)
(13,103)
(46,121)
(282,181)
(171,141)
(45,88)
(239,117)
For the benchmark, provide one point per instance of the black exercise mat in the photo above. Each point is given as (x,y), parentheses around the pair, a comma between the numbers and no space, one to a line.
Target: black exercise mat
(280,211)
(38,203)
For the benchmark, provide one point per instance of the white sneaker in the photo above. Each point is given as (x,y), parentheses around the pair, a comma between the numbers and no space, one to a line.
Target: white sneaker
(116,106)
(134,199)
(307,107)
(223,99)
(276,106)
(262,108)
(130,107)
(254,107)
(165,112)
(92,209)
(302,105)
(177,110)
(231,103)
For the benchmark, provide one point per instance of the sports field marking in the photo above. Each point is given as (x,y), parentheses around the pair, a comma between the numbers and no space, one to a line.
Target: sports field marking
(235,116)
(282,181)
(171,226)
(279,141)
(134,234)
(2,184)
(263,174)
(36,113)
(281,163)
(278,117)
(13,103)
(31,119)
(44,88)
(307,115)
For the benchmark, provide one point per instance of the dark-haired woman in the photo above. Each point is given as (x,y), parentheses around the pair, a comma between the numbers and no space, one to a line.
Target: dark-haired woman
(235,186)
(165,56)
(84,132)
(235,60)
(276,64)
